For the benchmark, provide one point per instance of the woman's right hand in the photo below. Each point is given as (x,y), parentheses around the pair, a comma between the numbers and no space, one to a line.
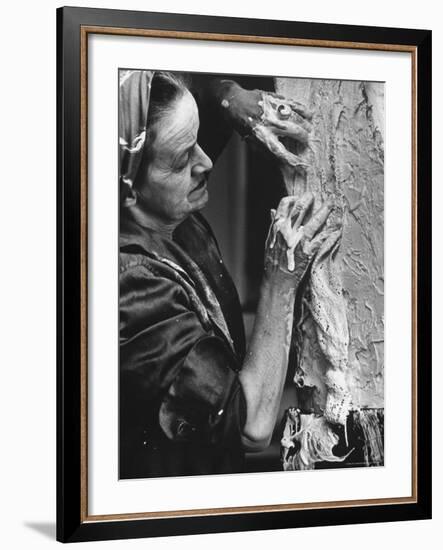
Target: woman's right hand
(294,238)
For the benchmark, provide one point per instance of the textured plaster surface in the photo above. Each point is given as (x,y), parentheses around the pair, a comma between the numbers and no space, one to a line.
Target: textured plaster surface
(345,159)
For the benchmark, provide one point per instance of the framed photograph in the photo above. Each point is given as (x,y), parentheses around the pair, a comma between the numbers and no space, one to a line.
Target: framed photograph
(244,274)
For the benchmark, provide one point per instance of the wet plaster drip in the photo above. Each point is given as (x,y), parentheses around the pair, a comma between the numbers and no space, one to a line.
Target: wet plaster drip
(283,226)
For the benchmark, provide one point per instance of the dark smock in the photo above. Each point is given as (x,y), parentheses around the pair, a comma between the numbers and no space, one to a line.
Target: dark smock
(182,408)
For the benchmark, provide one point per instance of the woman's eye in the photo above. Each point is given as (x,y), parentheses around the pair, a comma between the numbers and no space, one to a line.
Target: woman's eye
(181,165)
(185,159)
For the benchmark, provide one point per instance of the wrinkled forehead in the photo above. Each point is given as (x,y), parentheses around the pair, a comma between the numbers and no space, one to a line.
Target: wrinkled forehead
(179,126)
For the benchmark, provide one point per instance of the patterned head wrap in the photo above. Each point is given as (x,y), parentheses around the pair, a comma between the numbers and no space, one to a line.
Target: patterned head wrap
(134,92)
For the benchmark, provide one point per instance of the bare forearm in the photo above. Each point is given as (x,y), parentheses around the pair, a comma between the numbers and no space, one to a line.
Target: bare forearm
(264,370)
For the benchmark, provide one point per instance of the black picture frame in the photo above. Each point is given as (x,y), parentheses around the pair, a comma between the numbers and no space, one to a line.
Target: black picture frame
(73,523)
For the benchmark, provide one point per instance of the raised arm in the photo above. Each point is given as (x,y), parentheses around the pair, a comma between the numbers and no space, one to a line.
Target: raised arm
(289,249)
(216,122)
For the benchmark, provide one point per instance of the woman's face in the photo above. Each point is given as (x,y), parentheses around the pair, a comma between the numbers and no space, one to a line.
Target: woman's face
(173,183)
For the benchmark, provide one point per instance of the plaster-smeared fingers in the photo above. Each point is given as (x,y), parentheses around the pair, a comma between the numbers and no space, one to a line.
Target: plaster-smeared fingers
(303,122)
(290,207)
(279,150)
(300,109)
(286,117)
(285,206)
(276,251)
(299,210)
(330,244)
(276,147)
(296,131)
(313,246)
(318,219)
(303,206)
(294,160)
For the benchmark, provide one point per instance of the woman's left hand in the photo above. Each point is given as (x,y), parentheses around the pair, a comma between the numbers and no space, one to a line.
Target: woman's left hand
(242,107)
(266,116)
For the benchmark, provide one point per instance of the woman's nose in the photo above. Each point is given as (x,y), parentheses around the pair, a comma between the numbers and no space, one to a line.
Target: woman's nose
(203,162)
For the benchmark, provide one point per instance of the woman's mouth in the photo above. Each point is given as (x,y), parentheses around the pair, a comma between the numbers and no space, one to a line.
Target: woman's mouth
(201,185)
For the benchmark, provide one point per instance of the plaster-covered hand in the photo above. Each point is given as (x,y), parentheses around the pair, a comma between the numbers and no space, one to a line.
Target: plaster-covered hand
(267,117)
(290,245)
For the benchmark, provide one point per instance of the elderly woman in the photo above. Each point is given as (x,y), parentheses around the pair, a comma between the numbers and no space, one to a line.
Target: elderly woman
(191,399)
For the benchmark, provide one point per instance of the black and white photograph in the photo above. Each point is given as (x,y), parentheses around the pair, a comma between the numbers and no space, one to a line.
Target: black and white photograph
(251,273)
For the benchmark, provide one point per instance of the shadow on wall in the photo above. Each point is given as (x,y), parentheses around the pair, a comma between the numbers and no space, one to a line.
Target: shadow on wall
(46,529)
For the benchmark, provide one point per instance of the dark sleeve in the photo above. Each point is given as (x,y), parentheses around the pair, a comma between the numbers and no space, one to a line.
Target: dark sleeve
(172,368)
(209,91)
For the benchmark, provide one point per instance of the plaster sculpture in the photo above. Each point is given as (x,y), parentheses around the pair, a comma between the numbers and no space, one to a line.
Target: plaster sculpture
(338,341)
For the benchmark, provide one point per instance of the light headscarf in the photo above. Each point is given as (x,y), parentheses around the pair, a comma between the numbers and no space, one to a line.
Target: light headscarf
(134,93)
